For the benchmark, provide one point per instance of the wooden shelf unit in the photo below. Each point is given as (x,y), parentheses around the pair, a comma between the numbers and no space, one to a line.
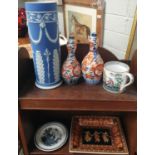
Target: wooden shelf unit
(37,106)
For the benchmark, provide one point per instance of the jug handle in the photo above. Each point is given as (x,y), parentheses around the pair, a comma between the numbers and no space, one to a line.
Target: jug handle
(131,80)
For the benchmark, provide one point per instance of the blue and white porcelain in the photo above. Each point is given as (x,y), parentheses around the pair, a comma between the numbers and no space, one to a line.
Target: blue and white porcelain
(51,136)
(42,21)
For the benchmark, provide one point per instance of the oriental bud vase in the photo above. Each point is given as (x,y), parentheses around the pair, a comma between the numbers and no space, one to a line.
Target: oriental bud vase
(71,70)
(92,64)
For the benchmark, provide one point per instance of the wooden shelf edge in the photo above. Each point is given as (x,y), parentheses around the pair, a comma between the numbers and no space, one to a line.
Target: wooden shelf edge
(129,106)
(62,151)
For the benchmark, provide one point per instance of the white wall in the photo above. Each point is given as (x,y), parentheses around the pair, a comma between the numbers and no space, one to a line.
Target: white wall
(119,15)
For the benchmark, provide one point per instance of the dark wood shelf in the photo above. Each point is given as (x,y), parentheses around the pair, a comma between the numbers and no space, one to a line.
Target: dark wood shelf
(37,118)
(62,151)
(37,106)
(77,97)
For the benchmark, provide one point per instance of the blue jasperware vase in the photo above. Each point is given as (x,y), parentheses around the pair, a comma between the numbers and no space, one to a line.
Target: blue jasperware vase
(42,22)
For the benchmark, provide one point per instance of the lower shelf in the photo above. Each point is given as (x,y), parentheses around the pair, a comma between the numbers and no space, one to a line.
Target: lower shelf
(33,119)
(61,151)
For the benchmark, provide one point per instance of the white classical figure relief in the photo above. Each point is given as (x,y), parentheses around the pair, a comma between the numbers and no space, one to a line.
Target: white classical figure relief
(42,18)
(40,67)
(56,65)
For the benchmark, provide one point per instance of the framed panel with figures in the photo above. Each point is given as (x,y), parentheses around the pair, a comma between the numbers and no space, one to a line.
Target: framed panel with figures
(82,18)
(97,135)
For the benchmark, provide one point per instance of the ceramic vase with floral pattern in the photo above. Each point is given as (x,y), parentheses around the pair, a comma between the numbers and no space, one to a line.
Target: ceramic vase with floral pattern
(71,70)
(92,64)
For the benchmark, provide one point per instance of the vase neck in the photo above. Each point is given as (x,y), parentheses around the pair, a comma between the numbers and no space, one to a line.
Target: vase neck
(93,43)
(93,48)
(71,53)
(71,46)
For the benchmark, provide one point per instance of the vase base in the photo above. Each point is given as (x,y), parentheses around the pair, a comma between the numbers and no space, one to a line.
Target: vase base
(91,82)
(48,87)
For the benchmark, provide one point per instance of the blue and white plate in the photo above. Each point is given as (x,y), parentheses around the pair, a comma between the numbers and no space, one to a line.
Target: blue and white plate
(51,136)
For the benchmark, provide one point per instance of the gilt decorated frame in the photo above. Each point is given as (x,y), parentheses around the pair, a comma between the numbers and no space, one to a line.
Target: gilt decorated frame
(97,135)
(88,16)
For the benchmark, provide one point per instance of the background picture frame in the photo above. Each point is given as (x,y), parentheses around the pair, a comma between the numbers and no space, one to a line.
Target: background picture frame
(82,18)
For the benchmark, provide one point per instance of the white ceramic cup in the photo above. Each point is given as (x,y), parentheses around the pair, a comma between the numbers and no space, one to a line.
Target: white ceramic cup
(115,76)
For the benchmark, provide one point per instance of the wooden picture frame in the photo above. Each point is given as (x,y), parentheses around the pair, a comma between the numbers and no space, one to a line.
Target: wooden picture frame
(88,16)
(131,37)
(97,135)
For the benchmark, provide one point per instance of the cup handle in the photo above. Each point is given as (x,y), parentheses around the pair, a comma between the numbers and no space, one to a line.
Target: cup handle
(131,80)
(62,40)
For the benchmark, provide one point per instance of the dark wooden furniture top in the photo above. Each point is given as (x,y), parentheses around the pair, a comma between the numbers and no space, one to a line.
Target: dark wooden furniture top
(79,97)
